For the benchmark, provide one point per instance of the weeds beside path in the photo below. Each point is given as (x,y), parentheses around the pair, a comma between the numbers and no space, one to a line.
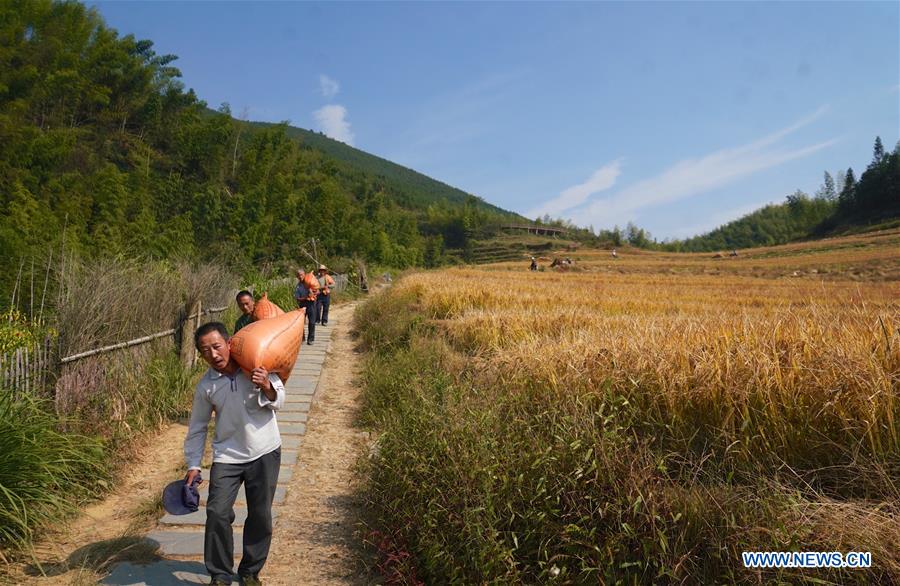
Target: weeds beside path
(110,530)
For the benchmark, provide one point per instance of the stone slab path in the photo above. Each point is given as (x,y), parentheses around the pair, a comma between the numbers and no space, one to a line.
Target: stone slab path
(180,538)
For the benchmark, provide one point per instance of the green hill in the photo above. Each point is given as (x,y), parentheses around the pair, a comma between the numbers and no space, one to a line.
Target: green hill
(409,187)
(104,152)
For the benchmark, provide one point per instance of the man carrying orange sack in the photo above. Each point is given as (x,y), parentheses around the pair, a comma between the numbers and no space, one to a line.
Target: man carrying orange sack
(246,449)
(326,282)
(305,294)
(245,303)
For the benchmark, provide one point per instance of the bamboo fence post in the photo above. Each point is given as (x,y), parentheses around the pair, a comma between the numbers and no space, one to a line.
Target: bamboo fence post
(27,380)
(187,337)
(194,329)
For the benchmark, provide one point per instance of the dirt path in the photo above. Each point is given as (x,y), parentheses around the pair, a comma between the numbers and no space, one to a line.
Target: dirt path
(314,540)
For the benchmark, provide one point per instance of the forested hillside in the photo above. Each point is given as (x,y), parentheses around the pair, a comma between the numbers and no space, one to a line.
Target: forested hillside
(407,187)
(840,204)
(103,147)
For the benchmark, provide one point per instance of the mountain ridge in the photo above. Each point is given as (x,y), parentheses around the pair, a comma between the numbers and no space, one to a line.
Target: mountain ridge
(393,172)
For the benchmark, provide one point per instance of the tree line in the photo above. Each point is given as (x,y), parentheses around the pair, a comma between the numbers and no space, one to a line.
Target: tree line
(841,202)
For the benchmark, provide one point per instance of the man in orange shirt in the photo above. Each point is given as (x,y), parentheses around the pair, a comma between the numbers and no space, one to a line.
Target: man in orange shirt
(305,294)
(324,299)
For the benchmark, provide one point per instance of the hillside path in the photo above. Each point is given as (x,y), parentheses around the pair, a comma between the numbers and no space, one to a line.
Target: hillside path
(315,504)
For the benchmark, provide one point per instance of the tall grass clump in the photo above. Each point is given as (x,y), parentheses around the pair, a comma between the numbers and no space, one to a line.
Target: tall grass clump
(61,444)
(112,300)
(387,320)
(44,472)
(641,428)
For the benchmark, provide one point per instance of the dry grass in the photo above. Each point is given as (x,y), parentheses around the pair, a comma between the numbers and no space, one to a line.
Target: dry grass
(863,258)
(739,406)
(113,300)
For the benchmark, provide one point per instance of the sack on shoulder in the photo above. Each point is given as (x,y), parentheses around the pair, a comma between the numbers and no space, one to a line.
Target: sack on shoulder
(265,309)
(272,343)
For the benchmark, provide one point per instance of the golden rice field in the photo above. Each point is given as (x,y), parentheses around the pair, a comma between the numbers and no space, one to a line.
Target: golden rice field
(716,405)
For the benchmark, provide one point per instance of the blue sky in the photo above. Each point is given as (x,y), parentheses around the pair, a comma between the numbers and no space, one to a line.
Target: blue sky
(678,116)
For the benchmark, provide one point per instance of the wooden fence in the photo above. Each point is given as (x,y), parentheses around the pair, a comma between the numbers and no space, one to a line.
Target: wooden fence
(340,282)
(27,369)
(31,369)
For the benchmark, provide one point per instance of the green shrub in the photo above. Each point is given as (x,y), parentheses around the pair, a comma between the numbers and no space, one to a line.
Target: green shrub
(17,331)
(44,472)
(168,392)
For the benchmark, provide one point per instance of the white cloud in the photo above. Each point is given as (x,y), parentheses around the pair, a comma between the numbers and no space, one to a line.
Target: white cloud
(692,177)
(332,120)
(601,180)
(328,86)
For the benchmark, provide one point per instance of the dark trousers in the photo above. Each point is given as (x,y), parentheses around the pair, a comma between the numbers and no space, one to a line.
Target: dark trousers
(260,478)
(311,307)
(324,301)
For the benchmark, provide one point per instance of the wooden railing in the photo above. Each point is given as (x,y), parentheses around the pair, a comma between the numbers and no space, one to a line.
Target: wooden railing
(31,369)
(34,368)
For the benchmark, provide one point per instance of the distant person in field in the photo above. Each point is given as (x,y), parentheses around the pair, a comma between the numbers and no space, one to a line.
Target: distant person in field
(614,255)
(305,294)
(533,266)
(323,302)
(733,252)
(246,449)
(246,304)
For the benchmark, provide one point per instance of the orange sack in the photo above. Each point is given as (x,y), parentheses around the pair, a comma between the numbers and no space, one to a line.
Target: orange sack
(265,309)
(272,343)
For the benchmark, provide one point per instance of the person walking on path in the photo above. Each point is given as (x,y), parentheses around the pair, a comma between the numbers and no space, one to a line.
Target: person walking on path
(305,294)
(246,449)
(246,304)
(323,302)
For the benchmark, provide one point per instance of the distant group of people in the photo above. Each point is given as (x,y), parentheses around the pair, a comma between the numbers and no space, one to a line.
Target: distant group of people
(565,262)
(312,293)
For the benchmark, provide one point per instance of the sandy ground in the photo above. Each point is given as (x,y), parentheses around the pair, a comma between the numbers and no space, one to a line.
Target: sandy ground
(314,541)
